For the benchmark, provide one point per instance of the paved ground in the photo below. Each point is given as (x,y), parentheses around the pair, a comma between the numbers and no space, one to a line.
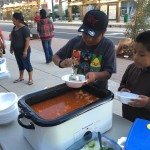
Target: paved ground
(49,75)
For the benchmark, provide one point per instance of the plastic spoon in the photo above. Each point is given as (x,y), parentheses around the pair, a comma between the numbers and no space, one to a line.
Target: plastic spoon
(72,71)
(100,139)
(73,75)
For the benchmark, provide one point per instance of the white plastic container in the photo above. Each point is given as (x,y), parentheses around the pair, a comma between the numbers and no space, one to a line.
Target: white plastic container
(59,134)
(8,107)
(3,65)
(4,73)
(7,101)
(10,116)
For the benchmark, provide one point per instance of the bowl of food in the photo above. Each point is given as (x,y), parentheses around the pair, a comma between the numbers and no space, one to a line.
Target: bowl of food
(91,142)
(126,97)
(74,80)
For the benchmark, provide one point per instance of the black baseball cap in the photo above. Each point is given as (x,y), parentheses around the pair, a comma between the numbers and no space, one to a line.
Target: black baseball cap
(94,23)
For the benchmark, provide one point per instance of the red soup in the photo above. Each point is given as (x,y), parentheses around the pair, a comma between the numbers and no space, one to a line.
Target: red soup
(61,105)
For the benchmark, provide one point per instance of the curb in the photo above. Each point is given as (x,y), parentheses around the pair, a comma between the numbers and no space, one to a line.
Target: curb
(78,23)
(110,25)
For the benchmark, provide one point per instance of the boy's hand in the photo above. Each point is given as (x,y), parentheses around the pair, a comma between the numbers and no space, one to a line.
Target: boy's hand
(66,63)
(91,77)
(142,101)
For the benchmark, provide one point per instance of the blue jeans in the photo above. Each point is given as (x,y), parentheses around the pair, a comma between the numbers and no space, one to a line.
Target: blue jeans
(24,63)
(47,50)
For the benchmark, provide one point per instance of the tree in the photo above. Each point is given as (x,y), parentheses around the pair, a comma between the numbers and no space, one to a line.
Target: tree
(75,9)
(66,13)
(60,9)
(139,21)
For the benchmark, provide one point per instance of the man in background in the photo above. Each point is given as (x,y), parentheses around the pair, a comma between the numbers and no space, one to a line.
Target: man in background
(45,29)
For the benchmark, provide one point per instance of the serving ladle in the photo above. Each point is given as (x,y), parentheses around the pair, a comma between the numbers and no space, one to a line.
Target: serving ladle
(73,75)
(100,139)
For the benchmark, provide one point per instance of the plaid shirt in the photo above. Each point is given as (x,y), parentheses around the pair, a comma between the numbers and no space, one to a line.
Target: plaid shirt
(45,28)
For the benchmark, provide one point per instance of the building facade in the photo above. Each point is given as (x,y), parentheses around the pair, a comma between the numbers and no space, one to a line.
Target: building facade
(28,8)
(115,9)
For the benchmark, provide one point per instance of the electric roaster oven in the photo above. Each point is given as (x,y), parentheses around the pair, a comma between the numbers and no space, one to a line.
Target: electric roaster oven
(57,117)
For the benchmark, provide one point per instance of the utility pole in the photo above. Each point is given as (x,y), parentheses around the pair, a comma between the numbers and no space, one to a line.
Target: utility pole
(53,13)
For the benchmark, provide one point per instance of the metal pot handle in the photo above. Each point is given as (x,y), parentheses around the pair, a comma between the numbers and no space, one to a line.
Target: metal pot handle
(30,126)
(112,97)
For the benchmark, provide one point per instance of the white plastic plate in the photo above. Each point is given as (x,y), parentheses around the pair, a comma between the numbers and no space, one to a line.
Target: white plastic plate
(7,99)
(73,83)
(126,97)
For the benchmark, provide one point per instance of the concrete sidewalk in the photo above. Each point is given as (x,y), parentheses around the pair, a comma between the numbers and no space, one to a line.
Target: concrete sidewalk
(48,75)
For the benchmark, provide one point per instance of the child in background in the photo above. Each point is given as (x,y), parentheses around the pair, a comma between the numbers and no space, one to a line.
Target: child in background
(36,19)
(136,79)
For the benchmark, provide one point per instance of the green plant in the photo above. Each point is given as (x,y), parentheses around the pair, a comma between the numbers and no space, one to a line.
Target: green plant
(30,24)
(75,9)
(49,15)
(139,21)
(73,17)
(66,13)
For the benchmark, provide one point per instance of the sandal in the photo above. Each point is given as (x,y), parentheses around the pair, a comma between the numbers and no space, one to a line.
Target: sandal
(18,80)
(30,82)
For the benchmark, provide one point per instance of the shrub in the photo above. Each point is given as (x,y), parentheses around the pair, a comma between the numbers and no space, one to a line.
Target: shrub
(138,23)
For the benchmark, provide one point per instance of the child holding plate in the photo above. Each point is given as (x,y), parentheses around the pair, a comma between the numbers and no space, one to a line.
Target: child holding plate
(136,79)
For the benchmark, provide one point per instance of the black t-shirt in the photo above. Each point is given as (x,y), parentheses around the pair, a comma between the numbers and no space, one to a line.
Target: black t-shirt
(100,57)
(137,80)
(18,39)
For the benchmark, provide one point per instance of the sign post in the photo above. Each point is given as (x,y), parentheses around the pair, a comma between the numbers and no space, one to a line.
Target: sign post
(53,13)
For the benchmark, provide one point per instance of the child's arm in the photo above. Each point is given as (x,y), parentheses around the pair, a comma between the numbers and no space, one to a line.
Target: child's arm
(102,76)
(143,101)
(148,104)
(2,39)
(123,86)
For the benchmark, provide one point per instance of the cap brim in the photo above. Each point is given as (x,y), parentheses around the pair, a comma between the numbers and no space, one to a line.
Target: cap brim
(89,31)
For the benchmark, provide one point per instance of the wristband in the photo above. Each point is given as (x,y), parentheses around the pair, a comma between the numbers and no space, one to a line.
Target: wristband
(60,63)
